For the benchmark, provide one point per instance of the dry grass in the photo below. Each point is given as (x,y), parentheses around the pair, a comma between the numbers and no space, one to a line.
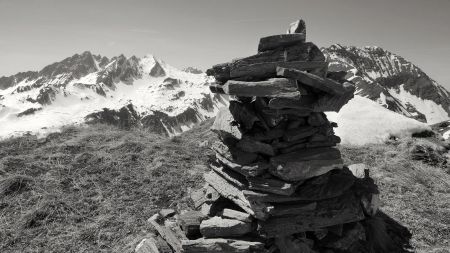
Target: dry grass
(92,189)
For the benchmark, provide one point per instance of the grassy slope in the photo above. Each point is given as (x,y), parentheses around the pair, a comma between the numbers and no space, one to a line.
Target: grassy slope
(91,189)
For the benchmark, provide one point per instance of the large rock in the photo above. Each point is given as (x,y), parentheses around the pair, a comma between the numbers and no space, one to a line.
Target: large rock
(222,246)
(343,209)
(261,71)
(224,125)
(329,185)
(298,26)
(317,82)
(274,87)
(236,215)
(249,145)
(217,227)
(300,52)
(304,164)
(280,41)
(243,114)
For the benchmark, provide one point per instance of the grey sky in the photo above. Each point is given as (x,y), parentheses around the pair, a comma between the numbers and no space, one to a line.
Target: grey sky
(200,33)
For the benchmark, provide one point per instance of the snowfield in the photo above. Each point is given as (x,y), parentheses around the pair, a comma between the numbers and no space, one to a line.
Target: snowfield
(363,121)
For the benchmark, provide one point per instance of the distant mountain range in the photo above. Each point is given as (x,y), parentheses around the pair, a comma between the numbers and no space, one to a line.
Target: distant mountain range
(147,91)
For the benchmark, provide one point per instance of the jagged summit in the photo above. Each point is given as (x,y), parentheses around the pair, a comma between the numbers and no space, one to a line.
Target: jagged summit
(97,88)
(392,81)
(85,83)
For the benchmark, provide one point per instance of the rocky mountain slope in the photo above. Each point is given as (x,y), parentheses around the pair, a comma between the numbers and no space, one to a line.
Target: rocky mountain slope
(122,91)
(148,92)
(392,81)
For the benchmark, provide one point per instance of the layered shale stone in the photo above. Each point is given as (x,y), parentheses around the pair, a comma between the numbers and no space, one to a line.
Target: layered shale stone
(271,185)
(290,244)
(254,169)
(253,146)
(280,41)
(220,71)
(243,114)
(300,52)
(236,215)
(167,234)
(299,133)
(232,153)
(203,245)
(261,71)
(153,245)
(206,194)
(225,126)
(190,223)
(317,82)
(317,119)
(330,212)
(295,170)
(298,26)
(216,227)
(275,87)
(304,164)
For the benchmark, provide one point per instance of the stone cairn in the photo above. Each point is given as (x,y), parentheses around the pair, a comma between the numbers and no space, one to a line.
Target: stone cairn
(277,183)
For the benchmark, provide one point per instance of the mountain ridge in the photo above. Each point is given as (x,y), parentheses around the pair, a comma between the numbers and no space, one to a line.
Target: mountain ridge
(146,91)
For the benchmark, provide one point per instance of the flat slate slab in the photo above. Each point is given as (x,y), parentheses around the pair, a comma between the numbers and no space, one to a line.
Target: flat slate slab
(330,212)
(317,82)
(261,71)
(274,87)
(282,40)
(216,227)
(203,245)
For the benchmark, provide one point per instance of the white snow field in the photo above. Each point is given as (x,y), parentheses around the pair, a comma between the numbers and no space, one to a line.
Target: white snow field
(363,121)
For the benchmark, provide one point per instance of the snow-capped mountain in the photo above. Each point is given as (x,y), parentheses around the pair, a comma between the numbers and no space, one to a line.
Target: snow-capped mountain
(123,91)
(392,81)
(146,91)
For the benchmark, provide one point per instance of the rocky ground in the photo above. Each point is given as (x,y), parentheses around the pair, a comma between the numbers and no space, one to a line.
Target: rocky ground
(92,189)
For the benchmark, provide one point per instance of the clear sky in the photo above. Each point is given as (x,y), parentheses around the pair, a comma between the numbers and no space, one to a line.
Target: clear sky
(200,33)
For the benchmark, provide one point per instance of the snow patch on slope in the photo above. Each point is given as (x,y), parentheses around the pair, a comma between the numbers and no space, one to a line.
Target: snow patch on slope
(363,121)
(433,112)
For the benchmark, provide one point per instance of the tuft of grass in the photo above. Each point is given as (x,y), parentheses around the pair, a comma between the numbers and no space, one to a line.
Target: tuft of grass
(15,185)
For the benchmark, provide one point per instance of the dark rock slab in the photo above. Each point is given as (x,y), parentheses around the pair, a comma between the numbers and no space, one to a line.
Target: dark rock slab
(217,227)
(225,126)
(190,223)
(298,26)
(274,87)
(254,169)
(271,185)
(317,82)
(250,145)
(304,164)
(299,133)
(243,113)
(203,245)
(329,185)
(236,215)
(300,52)
(330,212)
(234,154)
(261,71)
(220,71)
(280,41)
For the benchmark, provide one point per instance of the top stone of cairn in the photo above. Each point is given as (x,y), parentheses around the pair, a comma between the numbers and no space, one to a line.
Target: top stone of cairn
(298,26)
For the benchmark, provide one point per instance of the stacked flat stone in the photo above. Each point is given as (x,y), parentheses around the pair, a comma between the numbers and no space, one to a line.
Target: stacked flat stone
(278,183)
